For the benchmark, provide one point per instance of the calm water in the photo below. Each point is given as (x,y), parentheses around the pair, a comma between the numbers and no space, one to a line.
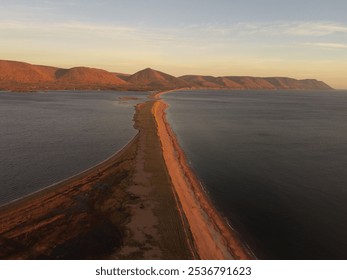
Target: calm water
(274,163)
(46,137)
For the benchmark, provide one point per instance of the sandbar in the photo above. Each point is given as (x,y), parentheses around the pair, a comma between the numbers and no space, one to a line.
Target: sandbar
(142,203)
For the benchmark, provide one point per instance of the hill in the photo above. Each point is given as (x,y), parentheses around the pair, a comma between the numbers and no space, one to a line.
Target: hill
(26,77)
(155,80)
(88,76)
(289,83)
(21,72)
(246,82)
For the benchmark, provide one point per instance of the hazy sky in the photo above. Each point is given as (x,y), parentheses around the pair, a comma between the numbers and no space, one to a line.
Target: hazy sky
(296,38)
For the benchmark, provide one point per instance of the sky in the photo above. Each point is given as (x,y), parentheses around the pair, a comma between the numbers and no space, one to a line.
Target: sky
(296,38)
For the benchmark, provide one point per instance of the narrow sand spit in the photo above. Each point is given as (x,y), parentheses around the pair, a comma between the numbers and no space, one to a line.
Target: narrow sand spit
(142,203)
(212,237)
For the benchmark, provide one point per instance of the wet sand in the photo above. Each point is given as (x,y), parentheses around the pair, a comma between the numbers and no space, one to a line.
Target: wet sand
(143,203)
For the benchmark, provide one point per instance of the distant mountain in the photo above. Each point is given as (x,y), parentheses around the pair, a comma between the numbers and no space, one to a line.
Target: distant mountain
(251,82)
(245,82)
(155,80)
(201,81)
(289,83)
(25,77)
(210,82)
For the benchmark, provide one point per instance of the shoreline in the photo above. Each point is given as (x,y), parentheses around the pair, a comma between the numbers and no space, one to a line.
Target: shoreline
(124,208)
(213,238)
(65,181)
(138,202)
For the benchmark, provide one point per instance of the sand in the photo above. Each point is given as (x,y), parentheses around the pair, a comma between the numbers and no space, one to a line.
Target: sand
(143,203)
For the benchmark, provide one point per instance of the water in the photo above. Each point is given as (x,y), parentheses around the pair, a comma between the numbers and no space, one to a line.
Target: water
(47,137)
(274,163)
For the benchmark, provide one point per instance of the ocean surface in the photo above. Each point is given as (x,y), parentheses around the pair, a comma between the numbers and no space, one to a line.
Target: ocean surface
(274,163)
(47,137)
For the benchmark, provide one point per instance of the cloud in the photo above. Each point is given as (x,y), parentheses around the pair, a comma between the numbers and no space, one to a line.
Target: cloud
(194,34)
(276,28)
(130,37)
(71,26)
(327,45)
(316,29)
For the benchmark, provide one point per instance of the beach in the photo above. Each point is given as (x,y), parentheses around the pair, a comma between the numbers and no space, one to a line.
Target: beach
(142,203)
(213,238)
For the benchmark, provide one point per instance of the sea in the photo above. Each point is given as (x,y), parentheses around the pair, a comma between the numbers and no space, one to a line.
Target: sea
(274,163)
(46,137)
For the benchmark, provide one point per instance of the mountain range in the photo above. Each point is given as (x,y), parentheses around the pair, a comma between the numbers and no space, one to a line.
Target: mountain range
(21,76)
